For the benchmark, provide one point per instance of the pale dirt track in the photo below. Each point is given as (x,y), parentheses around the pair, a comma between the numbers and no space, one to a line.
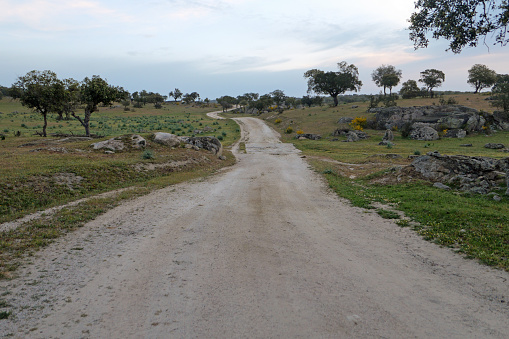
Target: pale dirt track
(262,250)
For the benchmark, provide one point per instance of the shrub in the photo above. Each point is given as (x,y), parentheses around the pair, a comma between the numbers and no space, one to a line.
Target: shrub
(358,123)
(278,121)
(299,132)
(148,154)
(289,130)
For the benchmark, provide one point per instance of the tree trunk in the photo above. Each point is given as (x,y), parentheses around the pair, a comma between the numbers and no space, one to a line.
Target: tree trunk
(45,115)
(335,97)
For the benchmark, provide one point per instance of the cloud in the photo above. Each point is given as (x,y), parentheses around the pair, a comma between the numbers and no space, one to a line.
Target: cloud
(56,15)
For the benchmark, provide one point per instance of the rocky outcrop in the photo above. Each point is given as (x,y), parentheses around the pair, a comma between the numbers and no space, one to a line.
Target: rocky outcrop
(474,174)
(211,144)
(494,146)
(423,132)
(436,117)
(166,139)
(122,143)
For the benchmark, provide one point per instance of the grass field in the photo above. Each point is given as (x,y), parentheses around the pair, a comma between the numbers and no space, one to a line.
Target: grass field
(475,225)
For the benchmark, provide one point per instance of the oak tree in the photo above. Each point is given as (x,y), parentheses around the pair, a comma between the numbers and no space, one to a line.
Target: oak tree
(480,76)
(462,22)
(386,76)
(334,83)
(40,91)
(432,78)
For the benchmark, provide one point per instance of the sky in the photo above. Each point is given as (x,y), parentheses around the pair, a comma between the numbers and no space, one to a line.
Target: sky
(222,47)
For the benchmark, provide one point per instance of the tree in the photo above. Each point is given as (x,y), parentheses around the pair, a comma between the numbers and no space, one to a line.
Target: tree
(226,102)
(39,91)
(500,92)
(278,96)
(262,103)
(334,83)
(432,78)
(176,94)
(409,89)
(480,76)
(461,22)
(310,101)
(93,92)
(386,76)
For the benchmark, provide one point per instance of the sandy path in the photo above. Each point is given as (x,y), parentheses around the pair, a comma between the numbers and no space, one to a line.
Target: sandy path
(262,250)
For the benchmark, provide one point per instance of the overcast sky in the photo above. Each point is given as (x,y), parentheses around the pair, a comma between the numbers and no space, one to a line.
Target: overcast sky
(221,47)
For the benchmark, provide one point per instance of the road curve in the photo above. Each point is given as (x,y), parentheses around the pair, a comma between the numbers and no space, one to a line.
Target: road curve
(261,250)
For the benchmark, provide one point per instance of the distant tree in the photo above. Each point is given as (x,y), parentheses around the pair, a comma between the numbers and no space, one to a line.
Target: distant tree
(279,97)
(4,91)
(409,89)
(262,103)
(480,76)
(432,78)
(226,102)
(500,92)
(176,94)
(39,91)
(461,22)
(334,83)
(386,76)
(310,101)
(206,101)
(93,92)
(187,98)
(292,102)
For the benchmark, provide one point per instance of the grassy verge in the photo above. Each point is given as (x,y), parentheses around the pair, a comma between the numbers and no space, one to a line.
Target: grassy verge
(475,225)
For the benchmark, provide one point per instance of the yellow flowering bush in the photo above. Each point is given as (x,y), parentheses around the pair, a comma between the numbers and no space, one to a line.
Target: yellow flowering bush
(358,123)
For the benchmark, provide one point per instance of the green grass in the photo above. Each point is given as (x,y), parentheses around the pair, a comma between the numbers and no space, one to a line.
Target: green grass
(387,214)
(475,225)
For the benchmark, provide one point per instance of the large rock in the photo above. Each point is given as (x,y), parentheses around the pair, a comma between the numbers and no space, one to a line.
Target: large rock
(437,117)
(211,144)
(345,120)
(388,136)
(494,146)
(166,139)
(352,137)
(425,133)
(125,142)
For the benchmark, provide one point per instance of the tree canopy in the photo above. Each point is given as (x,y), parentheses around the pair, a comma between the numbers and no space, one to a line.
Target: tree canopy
(94,91)
(40,91)
(176,94)
(462,22)
(480,76)
(432,78)
(334,83)
(500,92)
(386,76)
(409,89)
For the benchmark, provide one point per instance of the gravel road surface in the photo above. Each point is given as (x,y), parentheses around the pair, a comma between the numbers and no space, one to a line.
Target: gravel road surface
(260,250)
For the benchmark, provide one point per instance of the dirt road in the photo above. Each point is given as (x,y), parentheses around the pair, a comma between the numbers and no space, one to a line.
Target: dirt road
(261,250)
